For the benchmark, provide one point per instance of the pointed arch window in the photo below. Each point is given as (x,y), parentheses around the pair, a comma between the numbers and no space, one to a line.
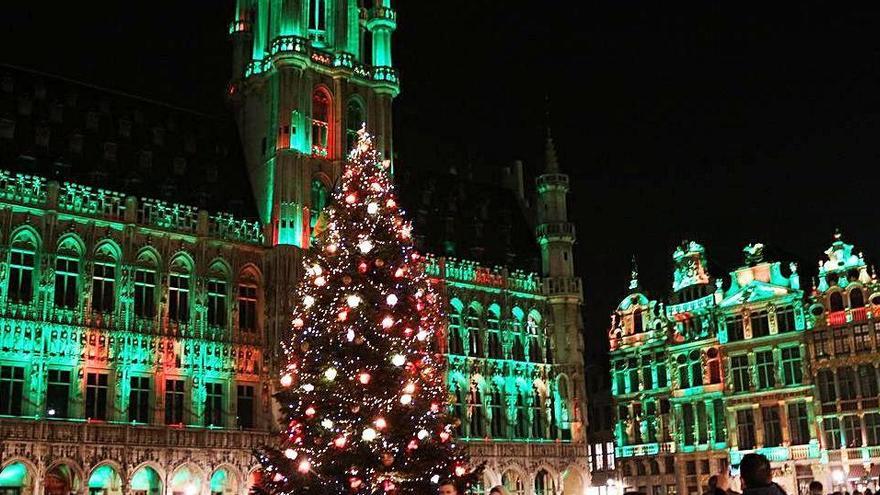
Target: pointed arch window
(544,483)
(320,122)
(247,303)
(67,275)
(456,409)
(455,342)
(518,353)
(354,119)
(496,413)
(104,280)
(475,404)
(638,321)
(178,293)
(535,336)
(475,341)
(494,330)
(513,483)
(21,269)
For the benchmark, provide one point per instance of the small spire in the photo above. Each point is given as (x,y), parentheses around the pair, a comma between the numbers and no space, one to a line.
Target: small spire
(634,275)
(551,163)
(837,234)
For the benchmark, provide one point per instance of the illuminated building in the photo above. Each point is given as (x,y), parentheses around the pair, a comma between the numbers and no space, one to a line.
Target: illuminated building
(724,369)
(139,324)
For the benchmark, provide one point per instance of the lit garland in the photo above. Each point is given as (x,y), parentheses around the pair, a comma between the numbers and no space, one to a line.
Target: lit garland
(363,389)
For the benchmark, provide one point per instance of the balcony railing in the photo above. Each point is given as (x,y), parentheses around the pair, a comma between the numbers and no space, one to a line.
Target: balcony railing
(548,181)
(544,450)
(21,188)
(559,229)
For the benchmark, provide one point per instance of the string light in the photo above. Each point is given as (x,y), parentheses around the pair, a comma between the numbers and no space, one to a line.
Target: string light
(286,380)
(398,360)
(391,300)
(353,300)
(369,434)
(330,374)
(290,454)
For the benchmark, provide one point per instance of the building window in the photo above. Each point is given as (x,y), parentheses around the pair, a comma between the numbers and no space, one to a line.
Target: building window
(495,350)
(354,119)
(868,381)
(475,410)
(647,374)
(846,383)
(317,15)
(862,337)
(856,298)
(139,399)
(785,320)
(174,402)
(772,426)
(735,328)
(247,308)
(841,341)
(245,406)
(720,420)
(214,404)
(538,419)
(822,343)
(66,277)
(852,431)
(835,301)
(662,376)
(798,423)
(522,418)
(96,396)
(145,293)
(872,428)
(792,367)
(534,339)
(760,324)
(831,427)
(103,280)
(745,429)
(638,321)
(496,411)
(455,342)
(825,381)
(544,484)
(58,393)
(21,274)
(11,390)
(713,364)
(475,343)
(217,303)
(688,420)
(513,483)
(742,373)
(320,122)
(766,369)
(178,297)
(633,379)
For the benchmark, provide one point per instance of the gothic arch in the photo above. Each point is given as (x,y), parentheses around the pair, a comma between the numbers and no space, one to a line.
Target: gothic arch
(24,480)
(250,273)
(186,476)
(220,266)
(182,259)
(148,256)
(232,486)
(71,241)
(26,233)
(110,247)
(152,465)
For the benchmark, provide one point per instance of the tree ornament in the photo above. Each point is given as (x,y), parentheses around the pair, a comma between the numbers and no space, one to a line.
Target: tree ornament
(327,423)
(353,300)
(308,387)
(364,378)
(320,281)
(310,411)
(373,208)
(398,360)
(350,198)
(410,388)
(308,301)
(355,483)
(413,444)
(406,399)
(305,466)
(460,470)
(331,248)
(399,273)
(387,459)
(342,315)
(387,322)
(304,346)
(349,335)
(391,300)
(330,374)
(346,279)
(444,436)
(423,434)
(290,454)
(390,203)
(365,246)
(380,423)
(369,434)
(298,322)
(362,267)
(286,380)
(358,340)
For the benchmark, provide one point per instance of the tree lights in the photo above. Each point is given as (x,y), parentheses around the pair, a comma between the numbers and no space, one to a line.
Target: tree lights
(363,340)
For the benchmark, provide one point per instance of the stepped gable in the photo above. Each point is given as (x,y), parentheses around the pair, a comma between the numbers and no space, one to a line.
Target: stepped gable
(71,131)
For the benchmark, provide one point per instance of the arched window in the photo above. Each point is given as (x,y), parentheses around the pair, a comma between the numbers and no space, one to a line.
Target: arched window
(539,421)
(713,363)
(835,301)
(514,484)
(248,281)
(319,201)
(518,353)
(521,420)
(178,291)
(475,404)
(544,483)
(638,324)
(455,342)
(21,268)
(67,274)
(535,335)
(104,278)
(494,329)
(496,413)
(320,122)
(354,119)
(145,286)
(217,294)
(475,340)
(856,298)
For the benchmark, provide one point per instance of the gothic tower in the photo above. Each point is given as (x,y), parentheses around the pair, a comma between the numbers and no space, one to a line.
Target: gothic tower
(307,74)
(563,289)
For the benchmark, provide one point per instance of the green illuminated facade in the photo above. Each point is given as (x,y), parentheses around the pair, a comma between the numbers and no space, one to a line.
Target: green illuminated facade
(139,328)
(726,368)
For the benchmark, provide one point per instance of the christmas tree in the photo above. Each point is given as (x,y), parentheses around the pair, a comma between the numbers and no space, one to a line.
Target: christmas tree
(363,398)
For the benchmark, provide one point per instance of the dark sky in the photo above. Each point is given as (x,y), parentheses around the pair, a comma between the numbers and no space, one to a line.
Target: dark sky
(722,122)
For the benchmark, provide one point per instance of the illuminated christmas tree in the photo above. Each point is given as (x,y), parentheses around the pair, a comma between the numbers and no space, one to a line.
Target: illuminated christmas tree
(363,397)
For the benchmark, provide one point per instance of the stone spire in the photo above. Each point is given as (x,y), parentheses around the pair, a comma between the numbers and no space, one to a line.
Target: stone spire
(551,163)
(634,275)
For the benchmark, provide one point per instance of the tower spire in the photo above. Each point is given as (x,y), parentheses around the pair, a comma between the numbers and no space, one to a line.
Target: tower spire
(634,275)
(551,162)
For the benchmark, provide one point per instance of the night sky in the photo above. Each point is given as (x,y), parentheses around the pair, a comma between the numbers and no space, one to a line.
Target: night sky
(721,122)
